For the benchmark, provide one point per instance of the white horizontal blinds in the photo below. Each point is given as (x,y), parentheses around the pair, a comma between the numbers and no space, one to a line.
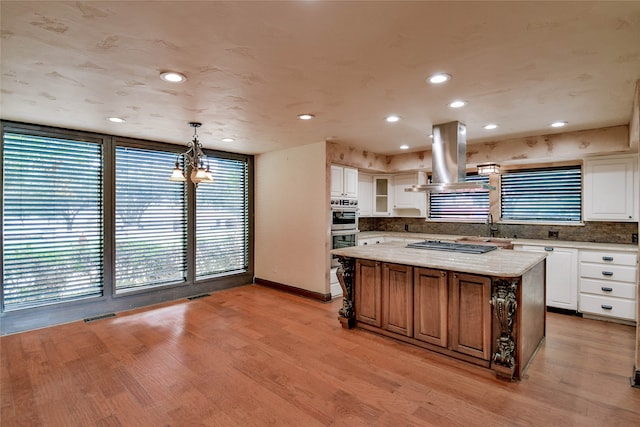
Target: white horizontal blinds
(222,220)
(542,195)
(52,219)
(471,205)
(151,222)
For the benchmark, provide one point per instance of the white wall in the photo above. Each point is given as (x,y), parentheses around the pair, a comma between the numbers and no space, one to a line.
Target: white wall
(292,227)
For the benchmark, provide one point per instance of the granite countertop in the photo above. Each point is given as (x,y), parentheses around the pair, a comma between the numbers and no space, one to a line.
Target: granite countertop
(499,262)
(557,243)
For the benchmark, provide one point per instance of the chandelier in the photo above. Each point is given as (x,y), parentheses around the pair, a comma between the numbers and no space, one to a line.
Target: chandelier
(194,158)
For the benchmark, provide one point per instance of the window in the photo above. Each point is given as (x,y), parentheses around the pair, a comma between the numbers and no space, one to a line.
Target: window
(471,205)
(91,224)
(151,222)
(542,195)
(222,220)
(52,219)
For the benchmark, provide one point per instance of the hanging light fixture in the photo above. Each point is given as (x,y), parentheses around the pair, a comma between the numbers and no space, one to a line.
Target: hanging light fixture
(194,158)
(488,168)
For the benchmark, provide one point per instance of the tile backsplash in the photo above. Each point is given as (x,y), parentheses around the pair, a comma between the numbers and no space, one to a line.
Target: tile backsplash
(602,232)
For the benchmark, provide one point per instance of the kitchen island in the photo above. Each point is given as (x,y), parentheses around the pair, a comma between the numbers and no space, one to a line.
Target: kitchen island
(484,308)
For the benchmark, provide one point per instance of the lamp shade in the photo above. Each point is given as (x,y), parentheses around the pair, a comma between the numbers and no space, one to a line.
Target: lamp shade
(177,175)
(198,175)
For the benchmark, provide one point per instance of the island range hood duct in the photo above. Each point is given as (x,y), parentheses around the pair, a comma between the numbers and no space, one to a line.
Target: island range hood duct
(448,157)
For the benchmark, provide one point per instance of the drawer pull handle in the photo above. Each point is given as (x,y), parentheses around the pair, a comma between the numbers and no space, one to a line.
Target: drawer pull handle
(606,307)
(607,258)
(548,249)
(607,273)
(605,289)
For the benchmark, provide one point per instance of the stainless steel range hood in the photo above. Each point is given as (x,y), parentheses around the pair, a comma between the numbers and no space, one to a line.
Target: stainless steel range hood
(448,157)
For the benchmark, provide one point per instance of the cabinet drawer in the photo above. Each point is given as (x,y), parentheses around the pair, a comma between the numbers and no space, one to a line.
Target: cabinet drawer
(616,258)
(619,273)
(611,289)
(606,306)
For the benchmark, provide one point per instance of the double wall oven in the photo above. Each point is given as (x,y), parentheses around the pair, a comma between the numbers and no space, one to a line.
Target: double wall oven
(344,225)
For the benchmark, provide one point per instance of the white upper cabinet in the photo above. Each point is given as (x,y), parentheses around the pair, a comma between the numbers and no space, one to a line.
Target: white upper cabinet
(365,194)
(611,188)
(344,182)
(382,195)
(409,203)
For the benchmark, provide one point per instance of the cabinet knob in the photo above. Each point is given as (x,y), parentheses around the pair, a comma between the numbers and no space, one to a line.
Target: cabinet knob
(607,273)
(548,249)
(606,307)
(442,273)
(607,258)
(606,289)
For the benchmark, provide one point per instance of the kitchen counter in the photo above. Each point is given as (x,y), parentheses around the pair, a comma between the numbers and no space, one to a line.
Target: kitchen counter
(538,242)
(497,263)
(487,308)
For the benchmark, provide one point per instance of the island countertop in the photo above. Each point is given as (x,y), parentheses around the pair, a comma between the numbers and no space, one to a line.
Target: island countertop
(498,263)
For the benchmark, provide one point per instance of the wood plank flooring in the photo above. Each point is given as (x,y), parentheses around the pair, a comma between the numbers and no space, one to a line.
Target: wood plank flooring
(254,356)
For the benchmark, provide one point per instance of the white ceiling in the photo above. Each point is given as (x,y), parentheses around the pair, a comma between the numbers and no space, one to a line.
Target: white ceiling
(252,67)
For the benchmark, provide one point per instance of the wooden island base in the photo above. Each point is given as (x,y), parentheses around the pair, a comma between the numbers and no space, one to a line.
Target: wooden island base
(493,322)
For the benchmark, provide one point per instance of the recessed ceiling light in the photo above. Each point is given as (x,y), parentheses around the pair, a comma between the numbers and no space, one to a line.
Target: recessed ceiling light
(457,104)
(558,124)
(172,77)
(305,116)
(490,126)
(404,147)
(228,139)
(116,119)
(439,78)
(392,118)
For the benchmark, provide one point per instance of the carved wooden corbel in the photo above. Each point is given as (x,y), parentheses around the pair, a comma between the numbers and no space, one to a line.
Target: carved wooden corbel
(503,300)
(345,278)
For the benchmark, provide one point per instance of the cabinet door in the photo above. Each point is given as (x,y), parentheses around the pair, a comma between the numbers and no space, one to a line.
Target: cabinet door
(611,189)
(404,199)
(470,311)
(368,292)
(397,298)
(381,196)
(350,182)
(562,276)
(430,295)
(337,178)
(365,194)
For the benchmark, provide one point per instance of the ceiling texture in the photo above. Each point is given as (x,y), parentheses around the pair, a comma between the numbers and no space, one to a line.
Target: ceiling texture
(253,67)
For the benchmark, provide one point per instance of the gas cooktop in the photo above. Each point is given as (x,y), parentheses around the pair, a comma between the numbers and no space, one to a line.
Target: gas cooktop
(437,245)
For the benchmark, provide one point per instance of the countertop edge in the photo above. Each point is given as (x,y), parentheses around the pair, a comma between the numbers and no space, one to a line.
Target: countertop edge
(626,247)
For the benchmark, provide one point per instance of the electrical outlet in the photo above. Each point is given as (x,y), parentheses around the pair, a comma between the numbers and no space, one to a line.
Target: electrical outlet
(406,227)
(553,234)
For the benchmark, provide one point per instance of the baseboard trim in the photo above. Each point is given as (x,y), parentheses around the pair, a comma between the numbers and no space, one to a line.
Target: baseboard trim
(563,311)
(293,290)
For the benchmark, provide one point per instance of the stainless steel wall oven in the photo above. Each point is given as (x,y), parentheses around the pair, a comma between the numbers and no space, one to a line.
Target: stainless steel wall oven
(344,225)
(342,239)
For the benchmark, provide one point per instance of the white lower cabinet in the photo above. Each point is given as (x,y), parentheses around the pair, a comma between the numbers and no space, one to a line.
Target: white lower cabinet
(608,284)
(562,275)
(336,290)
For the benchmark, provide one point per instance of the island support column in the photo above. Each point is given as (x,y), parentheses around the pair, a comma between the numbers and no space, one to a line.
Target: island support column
(505,304)
(345,274)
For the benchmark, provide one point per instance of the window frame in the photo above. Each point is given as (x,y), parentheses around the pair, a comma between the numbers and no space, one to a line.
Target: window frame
(461,220)
(42,316)
(542,167)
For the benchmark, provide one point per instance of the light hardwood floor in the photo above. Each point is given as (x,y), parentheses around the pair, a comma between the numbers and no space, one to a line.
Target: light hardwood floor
(253,356)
